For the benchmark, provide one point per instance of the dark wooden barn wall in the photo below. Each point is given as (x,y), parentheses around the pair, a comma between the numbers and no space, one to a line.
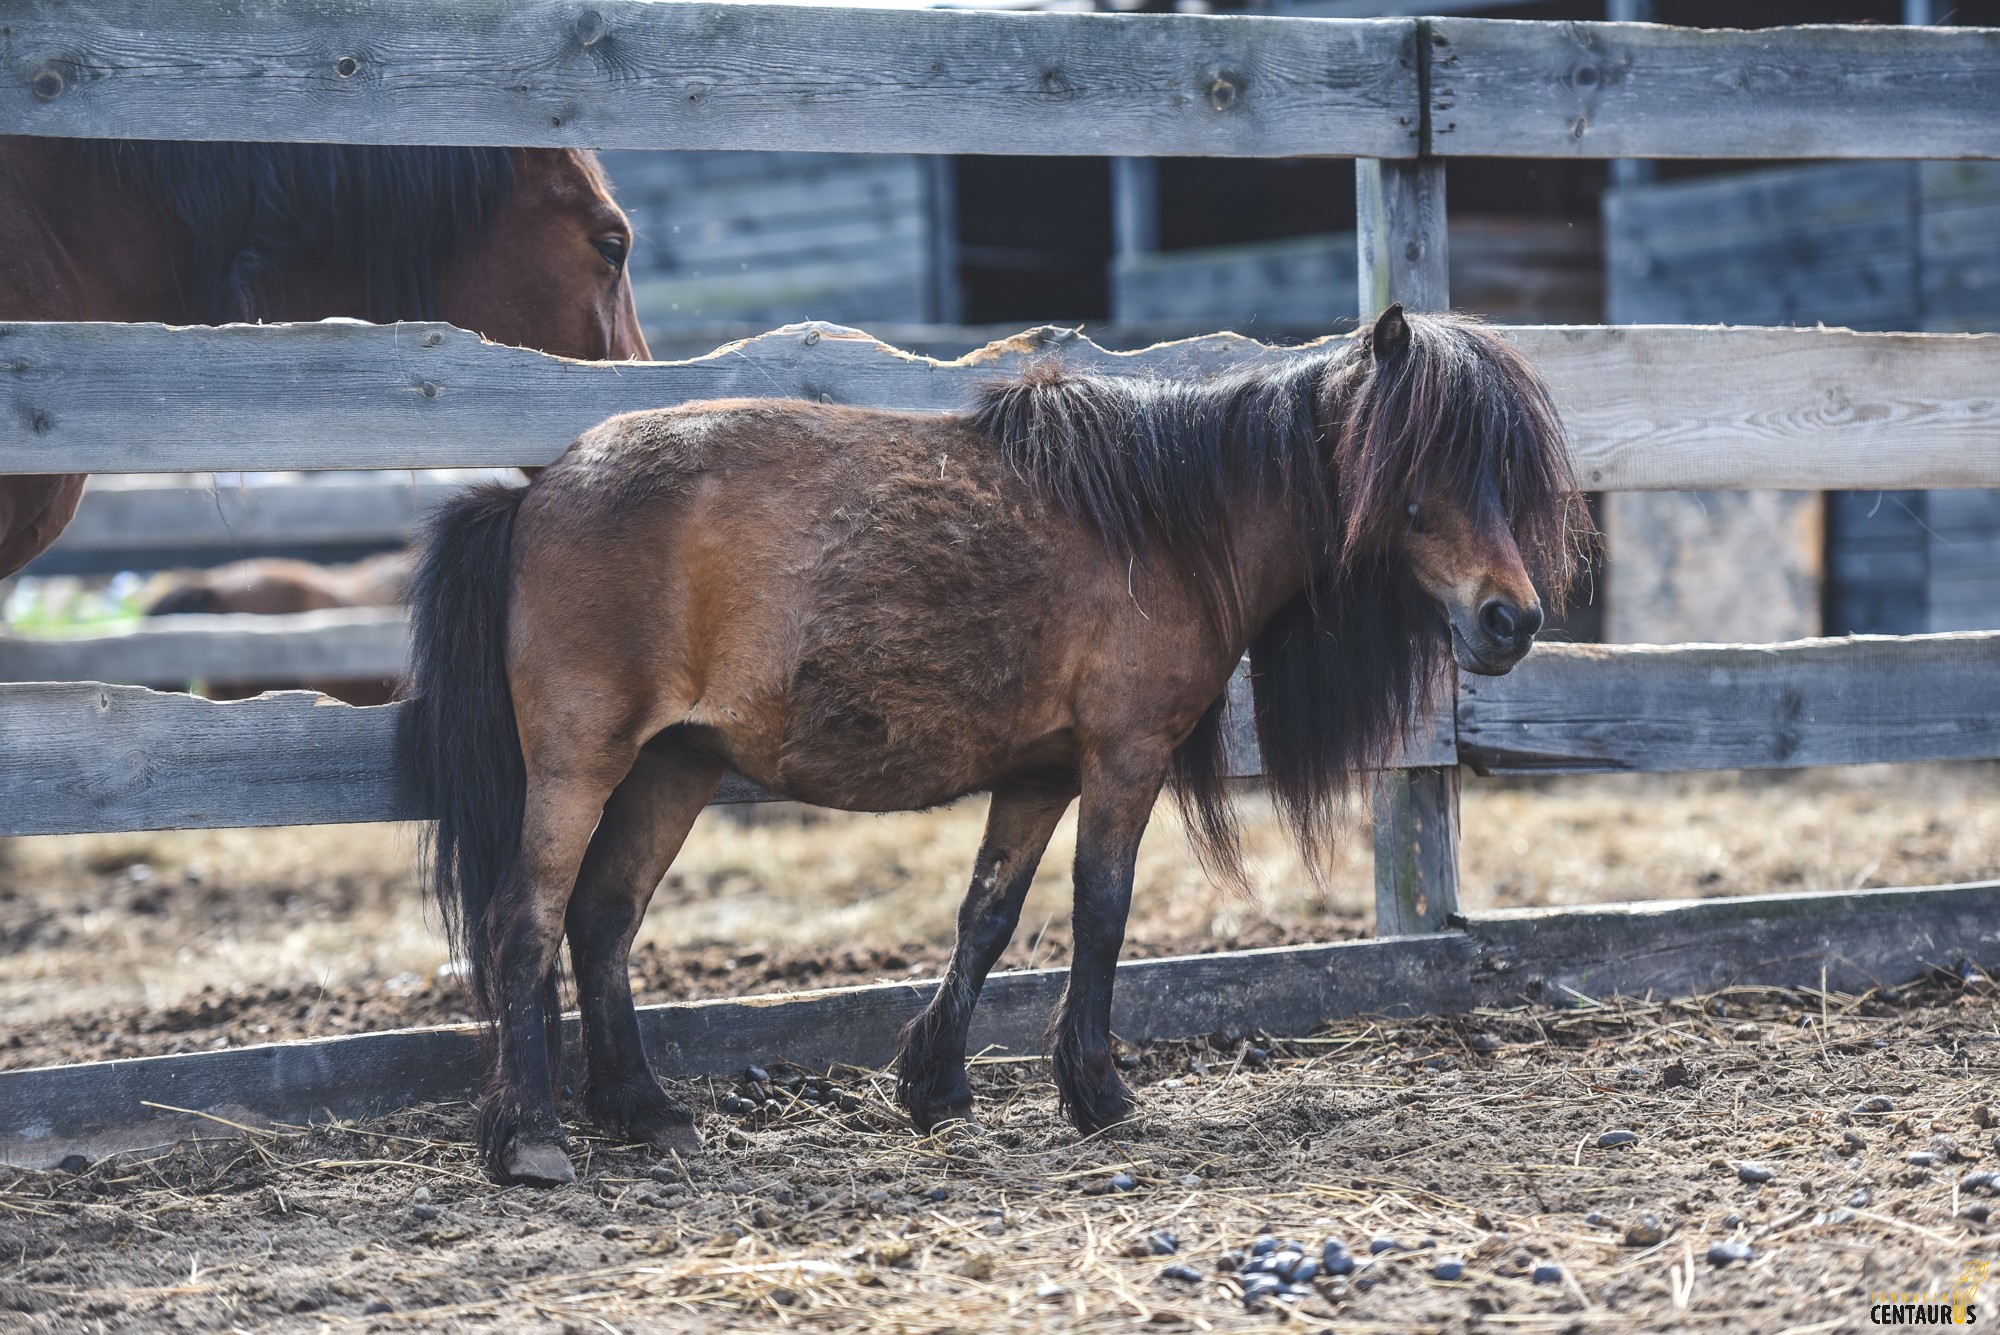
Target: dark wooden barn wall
(1869,245)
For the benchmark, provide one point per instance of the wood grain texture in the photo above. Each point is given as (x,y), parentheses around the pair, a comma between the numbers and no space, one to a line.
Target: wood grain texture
(379,512)
(1662,948)
(82,757)
(1400,243)
(631,74)
(1575,709)
(225,650)
(1648,408)
(1416,850)
(1630,90)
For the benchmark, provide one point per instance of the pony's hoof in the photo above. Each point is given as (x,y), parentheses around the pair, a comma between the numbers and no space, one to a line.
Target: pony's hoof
(1101,1111)
(930,1118)
(671,1137)
(536,1163)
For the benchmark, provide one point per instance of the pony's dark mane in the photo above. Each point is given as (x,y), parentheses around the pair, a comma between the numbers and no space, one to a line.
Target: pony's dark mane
(1351,439)
(394,214)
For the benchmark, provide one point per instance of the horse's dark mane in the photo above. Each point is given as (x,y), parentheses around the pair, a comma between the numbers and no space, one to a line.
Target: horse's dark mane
(1350,440)
(395,214)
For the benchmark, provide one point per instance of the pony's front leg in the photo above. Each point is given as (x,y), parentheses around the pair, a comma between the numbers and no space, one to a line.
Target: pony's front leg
(930,1070)
(1119,789)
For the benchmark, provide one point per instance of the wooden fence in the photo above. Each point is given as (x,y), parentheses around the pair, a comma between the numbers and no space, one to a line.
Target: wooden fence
(1650,408)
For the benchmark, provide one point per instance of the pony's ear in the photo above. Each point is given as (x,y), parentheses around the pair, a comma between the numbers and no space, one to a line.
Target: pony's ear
(1391,333)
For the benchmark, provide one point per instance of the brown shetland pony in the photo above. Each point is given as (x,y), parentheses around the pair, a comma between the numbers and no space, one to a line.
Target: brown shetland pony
(523,246)
(275,586)
(1042,599)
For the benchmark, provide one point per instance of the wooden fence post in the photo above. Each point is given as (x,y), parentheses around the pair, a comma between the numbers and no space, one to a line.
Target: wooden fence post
(1400,243)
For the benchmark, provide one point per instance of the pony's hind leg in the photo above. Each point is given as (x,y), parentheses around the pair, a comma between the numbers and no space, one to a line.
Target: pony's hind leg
(930,1072)
(644,825)
(520,1133)
(1119,789)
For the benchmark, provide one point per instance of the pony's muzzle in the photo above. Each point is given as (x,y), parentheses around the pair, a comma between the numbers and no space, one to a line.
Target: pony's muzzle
(1499,636)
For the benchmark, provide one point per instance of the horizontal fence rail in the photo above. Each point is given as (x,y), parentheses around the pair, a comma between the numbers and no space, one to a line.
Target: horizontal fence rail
(635,74)
(238,650)
(1500,88)
(1648,407)
(632,74)
(84,757)
(1840,942)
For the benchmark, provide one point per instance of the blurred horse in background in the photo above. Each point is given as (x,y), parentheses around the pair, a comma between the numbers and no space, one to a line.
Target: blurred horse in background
(522,246)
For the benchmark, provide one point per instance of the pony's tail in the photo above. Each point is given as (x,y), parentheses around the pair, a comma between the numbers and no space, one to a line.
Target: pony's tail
(458,723)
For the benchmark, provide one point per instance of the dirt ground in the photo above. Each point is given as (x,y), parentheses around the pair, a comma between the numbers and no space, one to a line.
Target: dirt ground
(131,945)
(1476,1149)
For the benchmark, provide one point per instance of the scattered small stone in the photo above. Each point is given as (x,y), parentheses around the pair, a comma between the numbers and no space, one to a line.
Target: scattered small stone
(1050,1290)
(1723,1253)
(1263,1245)
(424,1211)
(1978,1182)
(1229,1261)
(784,1297)
(1192,1181)
(1978,1212)
(74,1163)
(1256,1057)
(938,1194)
(1732,1221)
(1647,1231)
(1596,1219)
(613,1231)
(1485,1043)
(421,1196)
(1123,1182)
(1755,1174)
(1163,1242)
(1334,1258)
(375,1307)
(1256,1288)
(1173,1084)
(1296,1269)
(977,1266)
(664,1175)
(1921,1159)
(1128,1061)
(1875,1104)
(1186,1274)
(1448,1267)
(1744,1033)
(1613,1139)
(1198,1065)
(1376,1246)
(1854,1142)
(1681,1072)
(1548,1272)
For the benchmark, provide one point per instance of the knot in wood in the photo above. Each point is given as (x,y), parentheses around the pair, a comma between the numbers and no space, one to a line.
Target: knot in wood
(589,28)
(347,67)
(48,85)
(1222,94)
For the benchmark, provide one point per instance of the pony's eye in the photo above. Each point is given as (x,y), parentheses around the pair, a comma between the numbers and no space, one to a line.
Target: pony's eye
(612,248)
(1416,518)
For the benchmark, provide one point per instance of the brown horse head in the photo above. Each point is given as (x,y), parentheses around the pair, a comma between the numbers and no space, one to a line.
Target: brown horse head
(1453,457)
(523,246)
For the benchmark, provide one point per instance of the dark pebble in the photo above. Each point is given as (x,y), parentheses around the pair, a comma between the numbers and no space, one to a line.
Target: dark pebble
(1448,1267)
(1921,1159)
(376,1308)
(1226,1038)
(613,1231)
(74,1163)
(1977,1182)
(757,1075)
(1228,1261)
(938,1194)
(1860,1199)
(1263,1245)
(1305,1271)
(1611,1140)
(1485,1043)
(1979,1212)
(1596,1219)
(784,1297)
(1256,1287)
(1877,1104)
(1163,1243)
(1255,1057)
(1186,1274)
(1123,1182)
(1376,1246)
(424,1211)
(659,1172)
(1334,1258)
(849,1102)
(1722,1253)
(1646,1231)
(1548,1272)
(1128,1061)
(1754,1173)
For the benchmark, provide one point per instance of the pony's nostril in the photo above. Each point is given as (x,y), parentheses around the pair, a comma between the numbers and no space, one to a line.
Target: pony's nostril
(1528,622)
(1499,618)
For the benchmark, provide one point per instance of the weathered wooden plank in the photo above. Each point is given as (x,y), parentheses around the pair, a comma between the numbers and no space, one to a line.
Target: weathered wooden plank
(156,527)
(629,74)
(1648,408)
(1575,709)
(1630,90)
(224,650)
(1665,948)
(1402,255)
(82,757)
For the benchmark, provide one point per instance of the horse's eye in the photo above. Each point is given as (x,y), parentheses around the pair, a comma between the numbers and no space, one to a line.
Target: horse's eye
(1416,518)
(612,248)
